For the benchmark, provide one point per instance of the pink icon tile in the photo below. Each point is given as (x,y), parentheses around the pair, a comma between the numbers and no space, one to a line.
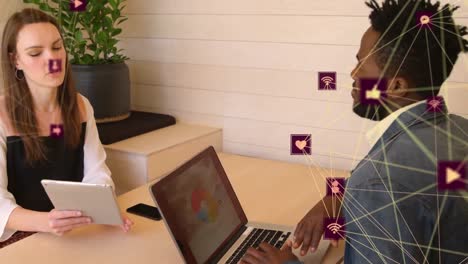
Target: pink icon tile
(327,80)
(451,175)
(78,5)
(424,19)
(373,91)
(55,66)
(301,144)
(56,130)
(435,104)
(335,186)
(333,228)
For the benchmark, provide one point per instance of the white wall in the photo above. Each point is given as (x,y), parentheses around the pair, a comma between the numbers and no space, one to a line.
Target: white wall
(250,67)
(7,8)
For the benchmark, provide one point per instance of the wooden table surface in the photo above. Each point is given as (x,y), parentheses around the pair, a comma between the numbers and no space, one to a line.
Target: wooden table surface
(269,191)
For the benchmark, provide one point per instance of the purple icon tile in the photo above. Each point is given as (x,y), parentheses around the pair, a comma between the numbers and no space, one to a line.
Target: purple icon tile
(335,186)
(373,91)
(55,66)
(451,175)
(424,19)
(327,80)
(435,104)
(333,228)
(56,130)
(78,5)
(301,144)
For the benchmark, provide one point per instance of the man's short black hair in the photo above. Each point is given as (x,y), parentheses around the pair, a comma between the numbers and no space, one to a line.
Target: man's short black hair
(425,59)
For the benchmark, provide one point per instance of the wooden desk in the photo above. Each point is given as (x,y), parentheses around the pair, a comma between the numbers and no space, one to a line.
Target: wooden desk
(269,191)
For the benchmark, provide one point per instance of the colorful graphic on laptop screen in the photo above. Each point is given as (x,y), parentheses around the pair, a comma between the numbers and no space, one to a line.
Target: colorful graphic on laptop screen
(205,213)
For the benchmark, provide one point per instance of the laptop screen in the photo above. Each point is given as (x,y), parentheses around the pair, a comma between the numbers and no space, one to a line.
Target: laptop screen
(199,206)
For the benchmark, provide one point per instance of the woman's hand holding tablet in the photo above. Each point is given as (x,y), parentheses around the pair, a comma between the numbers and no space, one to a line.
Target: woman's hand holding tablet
(127,224)
(61,221)
(78,204)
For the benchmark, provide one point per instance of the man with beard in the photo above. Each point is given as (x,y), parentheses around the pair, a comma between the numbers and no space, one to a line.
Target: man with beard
(406,201)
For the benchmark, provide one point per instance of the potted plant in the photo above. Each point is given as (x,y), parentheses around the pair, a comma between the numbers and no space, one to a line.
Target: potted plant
(98,66)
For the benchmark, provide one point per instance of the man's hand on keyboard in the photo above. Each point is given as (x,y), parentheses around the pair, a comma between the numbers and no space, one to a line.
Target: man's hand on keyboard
(268,254)
(310,229)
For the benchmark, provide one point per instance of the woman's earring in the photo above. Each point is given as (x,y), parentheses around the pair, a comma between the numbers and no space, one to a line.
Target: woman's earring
(16,75)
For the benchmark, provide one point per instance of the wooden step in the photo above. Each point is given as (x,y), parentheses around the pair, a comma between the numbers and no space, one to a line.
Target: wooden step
(138,160)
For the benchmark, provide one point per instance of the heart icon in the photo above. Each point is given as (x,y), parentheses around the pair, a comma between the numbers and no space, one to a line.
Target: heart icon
(301,144)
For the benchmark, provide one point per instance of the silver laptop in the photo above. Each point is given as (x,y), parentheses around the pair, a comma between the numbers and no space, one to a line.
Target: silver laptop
(204,216)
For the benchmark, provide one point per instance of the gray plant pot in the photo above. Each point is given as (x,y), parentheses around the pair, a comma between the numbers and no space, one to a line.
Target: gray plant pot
(107,87)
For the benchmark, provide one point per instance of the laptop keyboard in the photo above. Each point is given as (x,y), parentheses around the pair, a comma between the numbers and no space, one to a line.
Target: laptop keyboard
(255,238)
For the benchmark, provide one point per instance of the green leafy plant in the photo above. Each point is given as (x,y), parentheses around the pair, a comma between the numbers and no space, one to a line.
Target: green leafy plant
(90,36)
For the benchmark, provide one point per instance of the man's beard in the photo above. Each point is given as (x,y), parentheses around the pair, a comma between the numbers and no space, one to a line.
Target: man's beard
(372,112)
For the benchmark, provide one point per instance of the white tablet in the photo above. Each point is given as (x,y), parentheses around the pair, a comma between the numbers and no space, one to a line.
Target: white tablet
(94,200)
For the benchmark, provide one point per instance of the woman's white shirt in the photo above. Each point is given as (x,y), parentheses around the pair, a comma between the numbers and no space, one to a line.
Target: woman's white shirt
(95,168)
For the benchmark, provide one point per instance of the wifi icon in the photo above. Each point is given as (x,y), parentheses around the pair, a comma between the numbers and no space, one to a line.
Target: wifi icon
(327,81)
(435,104)
(333,228)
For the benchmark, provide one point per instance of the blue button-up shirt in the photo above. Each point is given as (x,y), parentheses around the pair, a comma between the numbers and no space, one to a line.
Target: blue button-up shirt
(393,210)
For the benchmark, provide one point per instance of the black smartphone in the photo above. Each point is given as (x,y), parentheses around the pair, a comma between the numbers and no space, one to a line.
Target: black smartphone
(145,210)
